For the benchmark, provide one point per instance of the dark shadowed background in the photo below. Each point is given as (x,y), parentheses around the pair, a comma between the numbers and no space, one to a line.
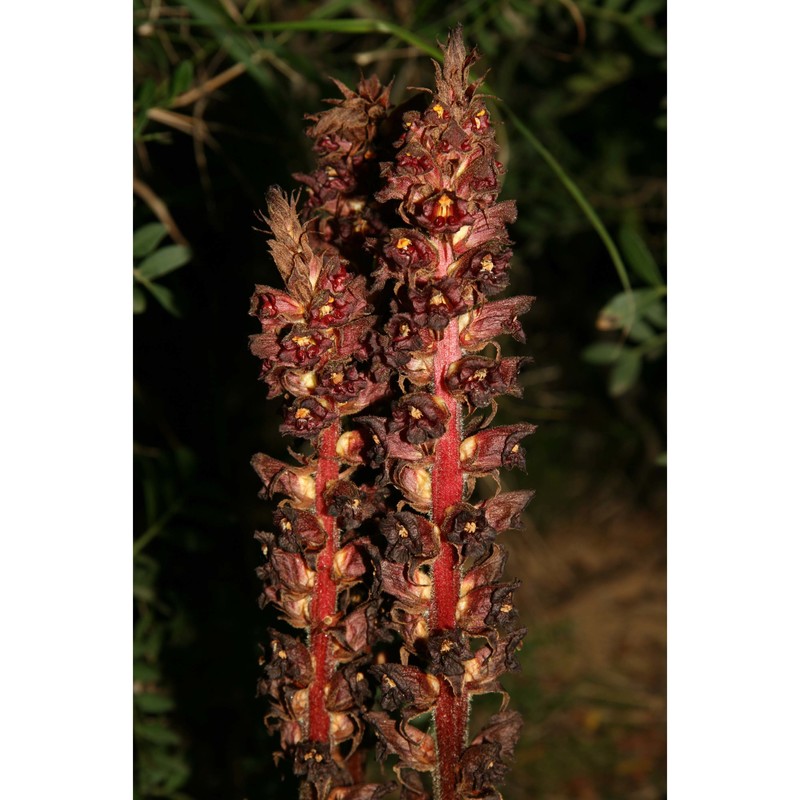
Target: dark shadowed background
(219,97)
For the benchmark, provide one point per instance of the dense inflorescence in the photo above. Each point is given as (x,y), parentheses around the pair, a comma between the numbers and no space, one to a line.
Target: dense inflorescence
(318,572)
(404,555)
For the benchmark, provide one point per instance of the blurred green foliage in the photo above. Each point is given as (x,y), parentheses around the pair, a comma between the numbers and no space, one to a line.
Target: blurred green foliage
(220,91)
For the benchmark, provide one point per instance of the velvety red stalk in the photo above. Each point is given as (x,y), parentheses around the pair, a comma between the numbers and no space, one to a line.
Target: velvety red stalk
(447,488)
(323,603)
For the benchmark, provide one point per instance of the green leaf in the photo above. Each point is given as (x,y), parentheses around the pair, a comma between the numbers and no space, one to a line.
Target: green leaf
(165,297)
(652,42)
(657,314)
(139,300)
(158,734)
(144,672)
(645,8)
(639,256)
(624,309)
(147,238)
(182,79)
(625,372)
(164,261)
(147,95)
(154,703)
(641,331)
(602,353)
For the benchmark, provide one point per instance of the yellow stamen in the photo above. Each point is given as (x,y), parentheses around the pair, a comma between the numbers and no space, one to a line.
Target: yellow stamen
(302,341)
(302,413)
(438,299)
(404,330)
(443,205)
(415,412)
(337,378)
(402,532)
(487,265)
(403,243)
(470,527)
(439,110)
(479,375)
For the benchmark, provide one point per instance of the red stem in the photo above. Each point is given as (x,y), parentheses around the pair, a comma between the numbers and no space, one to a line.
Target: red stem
(323,602)
(447,486)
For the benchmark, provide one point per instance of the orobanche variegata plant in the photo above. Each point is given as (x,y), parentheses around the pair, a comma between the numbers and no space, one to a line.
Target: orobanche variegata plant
(386,573)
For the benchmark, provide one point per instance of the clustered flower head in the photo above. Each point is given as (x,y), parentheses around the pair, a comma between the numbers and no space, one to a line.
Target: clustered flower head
(388,576)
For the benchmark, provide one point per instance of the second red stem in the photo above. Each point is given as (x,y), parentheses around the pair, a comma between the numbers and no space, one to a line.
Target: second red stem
(447,487)
(323,603)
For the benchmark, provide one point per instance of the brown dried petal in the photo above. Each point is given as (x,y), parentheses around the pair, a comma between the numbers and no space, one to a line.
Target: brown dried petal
(288,659)
(502,729)
(466,526)
(495,447)
(406,687)
(362,791)
(306,417)
(447,650)
(297,483)
(408,536)
(504,512)
(416,749)
(275,308)
(298,531)
(349,688)
(414,481)
(419,417)
(481,379)
(493,319)
(345,501)
(480,768)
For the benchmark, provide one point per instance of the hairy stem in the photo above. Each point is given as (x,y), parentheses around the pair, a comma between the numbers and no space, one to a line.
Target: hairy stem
(447,486)
(323,604)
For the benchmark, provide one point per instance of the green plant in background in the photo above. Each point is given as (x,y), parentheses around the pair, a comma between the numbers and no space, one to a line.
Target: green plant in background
(154,264)
(161,767)
(638,320)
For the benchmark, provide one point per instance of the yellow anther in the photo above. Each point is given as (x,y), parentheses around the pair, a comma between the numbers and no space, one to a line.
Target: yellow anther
(302,341)
(470,527)
(415,412)
(487,265)
(402,532)
(439,110)
(404,330)
(337,378)
(388,682)
(403,243)
(506,607)
(282,655)
(302,413)
(479,375)
(515,448)
(446,646)
(443,205)
(438,299)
